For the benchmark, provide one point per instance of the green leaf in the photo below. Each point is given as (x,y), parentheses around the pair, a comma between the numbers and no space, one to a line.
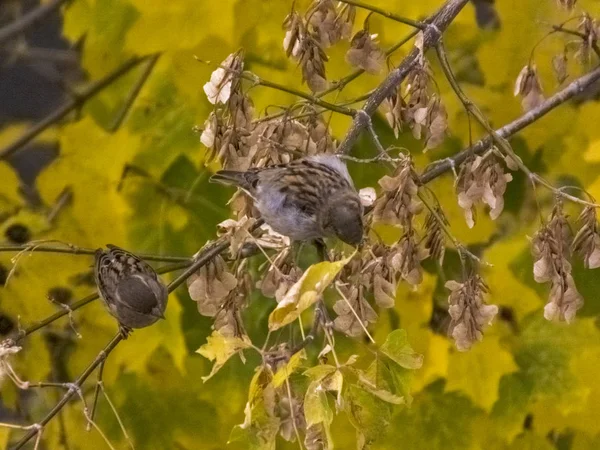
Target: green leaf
(219,349)
(305,292)
(436,421)
(316,405)
(369,415)
(397,348)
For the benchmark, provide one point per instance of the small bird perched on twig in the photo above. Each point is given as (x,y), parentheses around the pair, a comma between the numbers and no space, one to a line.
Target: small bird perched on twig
(306,199)
(130,288)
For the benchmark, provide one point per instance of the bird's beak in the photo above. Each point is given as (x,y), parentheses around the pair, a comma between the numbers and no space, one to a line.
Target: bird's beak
(159,315)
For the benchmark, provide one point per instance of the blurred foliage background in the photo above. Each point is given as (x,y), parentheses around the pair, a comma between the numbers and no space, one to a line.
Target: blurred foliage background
(530,384)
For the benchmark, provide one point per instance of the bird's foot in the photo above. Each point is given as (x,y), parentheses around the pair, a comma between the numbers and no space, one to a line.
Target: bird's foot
(125,331)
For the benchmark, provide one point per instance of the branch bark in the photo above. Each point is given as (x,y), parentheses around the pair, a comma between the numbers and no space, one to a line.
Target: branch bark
(574,88)
(436,25)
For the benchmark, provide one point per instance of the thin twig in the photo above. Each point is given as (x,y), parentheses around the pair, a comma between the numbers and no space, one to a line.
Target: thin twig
(134,92)
(384,13)
(72,391)
(75,250)
(495,136)
(204,256)
(255,79)
(574,88)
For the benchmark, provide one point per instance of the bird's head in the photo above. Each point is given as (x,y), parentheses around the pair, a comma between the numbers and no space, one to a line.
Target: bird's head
(345,218)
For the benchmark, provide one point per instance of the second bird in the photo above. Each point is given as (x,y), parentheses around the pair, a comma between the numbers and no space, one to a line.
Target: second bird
(306,199)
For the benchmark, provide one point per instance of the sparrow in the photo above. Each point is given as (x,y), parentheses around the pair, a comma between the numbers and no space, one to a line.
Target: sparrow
(306,199)
(130,289)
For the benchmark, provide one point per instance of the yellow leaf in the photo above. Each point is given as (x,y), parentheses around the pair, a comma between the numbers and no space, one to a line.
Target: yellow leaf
(292,365)
(305,292)
(219,349)
(477,372)
(593,152)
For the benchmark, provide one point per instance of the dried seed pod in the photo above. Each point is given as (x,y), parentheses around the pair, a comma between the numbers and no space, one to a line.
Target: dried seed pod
(295,31)
(434,120)
(407,257)
(228,318)
(210,285)
(364,53)
(551,247)
(280,276)
(529,87)
(566,4)
(559,67)
(322,19)
(590,29)
(398,203)
(353,312)
(224,80)
(482,179)
(378,274)
(587,239)
(435,240)
(312,60)
(470,315)
(130,288)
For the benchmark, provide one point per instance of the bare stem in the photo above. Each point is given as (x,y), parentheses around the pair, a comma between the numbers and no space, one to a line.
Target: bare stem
(311,98)
(134,92)
(574,88)
(384,13)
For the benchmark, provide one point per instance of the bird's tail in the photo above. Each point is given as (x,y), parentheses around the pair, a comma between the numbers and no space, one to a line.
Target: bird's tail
(234,178)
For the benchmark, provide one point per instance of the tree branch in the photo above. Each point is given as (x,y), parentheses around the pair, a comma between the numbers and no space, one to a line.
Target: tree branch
(574,88)
(35,15)
(72,104)
(73,389)
(436,26)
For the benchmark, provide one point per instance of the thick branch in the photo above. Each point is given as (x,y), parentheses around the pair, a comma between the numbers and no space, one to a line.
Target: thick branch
(574,88)
(436,26)
(35,15)
(71,105)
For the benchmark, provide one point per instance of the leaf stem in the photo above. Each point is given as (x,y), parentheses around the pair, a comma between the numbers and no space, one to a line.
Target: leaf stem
(387,14)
